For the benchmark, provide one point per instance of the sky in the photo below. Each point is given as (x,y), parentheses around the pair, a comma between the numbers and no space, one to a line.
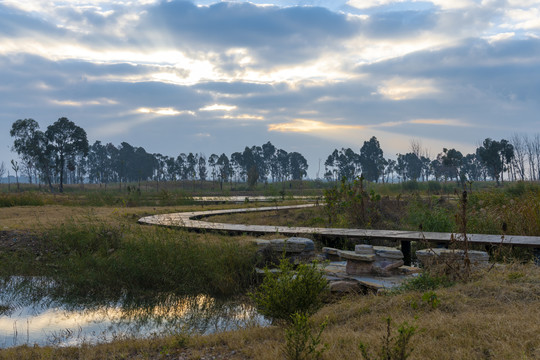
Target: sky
(309,76)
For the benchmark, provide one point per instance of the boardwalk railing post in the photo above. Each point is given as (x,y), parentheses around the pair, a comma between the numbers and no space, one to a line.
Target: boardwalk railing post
(406,250)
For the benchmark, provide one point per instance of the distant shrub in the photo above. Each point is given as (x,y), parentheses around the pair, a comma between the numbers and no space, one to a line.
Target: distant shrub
(410,186)
(21,199)
(434,186)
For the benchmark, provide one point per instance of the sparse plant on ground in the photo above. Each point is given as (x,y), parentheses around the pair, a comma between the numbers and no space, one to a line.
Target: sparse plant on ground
(300,341)
(393,347)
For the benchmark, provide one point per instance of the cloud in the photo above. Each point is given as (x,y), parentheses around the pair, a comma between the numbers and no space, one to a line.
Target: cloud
(402,89)
(218,107)
(164,111)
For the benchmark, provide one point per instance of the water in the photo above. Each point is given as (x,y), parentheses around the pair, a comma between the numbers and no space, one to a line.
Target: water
(28,315)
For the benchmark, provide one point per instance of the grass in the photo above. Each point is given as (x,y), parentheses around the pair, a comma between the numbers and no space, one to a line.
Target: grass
(100,251)
(495,316)
(108,259)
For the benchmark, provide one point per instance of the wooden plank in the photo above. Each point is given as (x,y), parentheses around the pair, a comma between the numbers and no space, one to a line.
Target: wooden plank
(191,220)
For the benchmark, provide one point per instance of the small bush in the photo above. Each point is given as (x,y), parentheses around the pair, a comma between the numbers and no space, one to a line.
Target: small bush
(286,292)
(410,186)
(393,348)
(300,342)
(425,282)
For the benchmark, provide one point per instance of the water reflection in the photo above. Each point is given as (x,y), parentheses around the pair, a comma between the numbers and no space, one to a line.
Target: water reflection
(35,311)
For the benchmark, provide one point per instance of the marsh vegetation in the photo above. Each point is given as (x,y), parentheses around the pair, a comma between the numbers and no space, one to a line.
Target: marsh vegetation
(92,252)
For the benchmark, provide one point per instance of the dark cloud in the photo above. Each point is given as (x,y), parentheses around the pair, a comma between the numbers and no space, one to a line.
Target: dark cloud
(277,35)
(16,23)
(399,24)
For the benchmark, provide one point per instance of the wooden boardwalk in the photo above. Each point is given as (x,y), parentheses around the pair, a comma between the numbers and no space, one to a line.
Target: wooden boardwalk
(192,220)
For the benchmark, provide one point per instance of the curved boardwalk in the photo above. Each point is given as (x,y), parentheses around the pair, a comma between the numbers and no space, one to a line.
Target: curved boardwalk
(192,220)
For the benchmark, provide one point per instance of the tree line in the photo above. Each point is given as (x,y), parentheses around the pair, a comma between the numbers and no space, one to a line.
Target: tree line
(61,154)
(519,158)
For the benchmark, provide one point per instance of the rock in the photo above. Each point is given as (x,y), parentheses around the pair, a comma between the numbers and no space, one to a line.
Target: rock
(386,268)
(292,245)
(351,255)
(430,257)
(364,249)
(345,286)
(330,254)
(388,252)
(358,267)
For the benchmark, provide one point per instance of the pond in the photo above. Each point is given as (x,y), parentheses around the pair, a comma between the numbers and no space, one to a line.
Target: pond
(30,315)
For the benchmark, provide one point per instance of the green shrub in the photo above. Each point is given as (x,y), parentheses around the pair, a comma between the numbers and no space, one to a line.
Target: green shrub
(286,291)
(393,348)
(411,185)
(425,282)
(300,342)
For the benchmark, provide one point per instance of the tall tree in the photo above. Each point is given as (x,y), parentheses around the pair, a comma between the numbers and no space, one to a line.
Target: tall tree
(66,139)
(451,161)
(298,166)
(33,146)
(494,155)
(372,160)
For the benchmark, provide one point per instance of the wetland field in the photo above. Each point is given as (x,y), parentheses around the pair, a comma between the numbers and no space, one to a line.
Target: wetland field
(80,278)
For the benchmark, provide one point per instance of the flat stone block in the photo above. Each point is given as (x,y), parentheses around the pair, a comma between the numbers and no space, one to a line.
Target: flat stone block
(330,251)
(364,249)
(388,252)
(358,267)
(351,255)
(344,286)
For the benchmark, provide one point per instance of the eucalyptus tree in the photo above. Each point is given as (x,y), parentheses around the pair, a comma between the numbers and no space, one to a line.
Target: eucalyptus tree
(224,169)
(298,165)
(372,160)
(343,163)
(29,143)
(212,162)
(32,145)
(495,156)
(472,168)
(191,164)
(181,166)
(269,158)
(283,165)
(237,164)
(65,139)
(201,167)
(409,166)
(451,162)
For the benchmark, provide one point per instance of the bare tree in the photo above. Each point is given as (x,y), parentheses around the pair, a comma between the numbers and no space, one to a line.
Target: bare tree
(536,150)
(518,162)
(2,170)
(529,145)
(416,147)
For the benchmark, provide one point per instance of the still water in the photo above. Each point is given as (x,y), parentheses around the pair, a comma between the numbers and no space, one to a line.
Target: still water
(29,314)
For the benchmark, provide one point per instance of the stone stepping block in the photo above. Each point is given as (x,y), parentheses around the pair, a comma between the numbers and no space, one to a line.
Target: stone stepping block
(352,255)
(290,245)
(438,256)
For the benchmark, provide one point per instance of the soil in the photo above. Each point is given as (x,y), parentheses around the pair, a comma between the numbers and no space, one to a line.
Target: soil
(14,240)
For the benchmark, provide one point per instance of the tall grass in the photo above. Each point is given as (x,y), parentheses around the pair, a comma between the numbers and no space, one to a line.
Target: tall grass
(96,259)
(29,198)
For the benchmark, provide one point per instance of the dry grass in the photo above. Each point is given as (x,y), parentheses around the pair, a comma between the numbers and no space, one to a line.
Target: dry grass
(495,316)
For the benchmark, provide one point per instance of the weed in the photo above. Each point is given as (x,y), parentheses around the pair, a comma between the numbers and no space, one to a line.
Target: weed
(431,298)
(393,348)
(300,342)
(424,282)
